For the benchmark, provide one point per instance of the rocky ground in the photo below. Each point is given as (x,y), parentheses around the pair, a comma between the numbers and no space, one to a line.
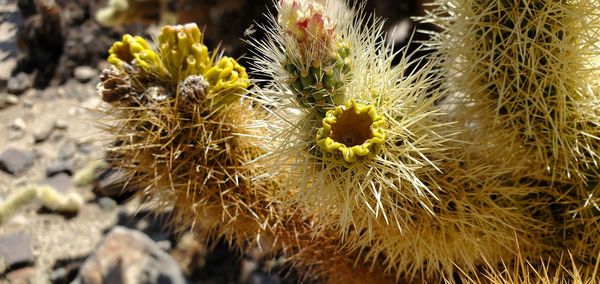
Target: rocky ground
(48,135)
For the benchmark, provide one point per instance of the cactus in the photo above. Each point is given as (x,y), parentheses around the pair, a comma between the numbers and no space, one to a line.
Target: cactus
(529,64)
(521,270)
(527,74)
(351,132)
(182,52)
(229,80)
(579,226)
(479,217)
(310,52)
(68,203)
(88,174)
(344,153)
(181,132)
(189,148)
(379,192)
(140,74)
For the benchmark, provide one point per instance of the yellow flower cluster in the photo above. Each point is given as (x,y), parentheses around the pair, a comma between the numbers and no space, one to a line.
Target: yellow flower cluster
(228,80)
(134,50)
(182,51)
(351,132)
(181,54)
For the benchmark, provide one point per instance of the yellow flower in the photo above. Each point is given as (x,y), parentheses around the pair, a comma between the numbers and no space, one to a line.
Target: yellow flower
(227,80)
(182,51)
(351,132)
(135,51)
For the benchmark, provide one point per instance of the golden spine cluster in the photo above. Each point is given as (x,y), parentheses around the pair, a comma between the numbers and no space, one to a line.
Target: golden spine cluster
(524,79)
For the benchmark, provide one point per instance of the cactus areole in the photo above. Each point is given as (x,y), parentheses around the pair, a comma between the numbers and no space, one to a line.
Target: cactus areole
(351,133)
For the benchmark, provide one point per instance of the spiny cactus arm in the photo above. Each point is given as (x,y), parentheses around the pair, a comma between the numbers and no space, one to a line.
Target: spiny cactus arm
(16,201)
(86,175)
(528,72)
(69,202)
(63,203)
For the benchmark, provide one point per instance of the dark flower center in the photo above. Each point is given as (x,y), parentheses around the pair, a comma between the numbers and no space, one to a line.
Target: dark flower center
(351,128)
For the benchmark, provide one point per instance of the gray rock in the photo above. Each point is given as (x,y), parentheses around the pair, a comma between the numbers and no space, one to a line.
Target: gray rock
(129,256)
(85,148)
(263,278)
(59,167)
(84,74)
(75,89)
(66,151)
(11,99)
(7,100)
(19,84)
(15,249)
(18,124)
(60,182)
(42,131)
(22,275)
(15,162)
(107,203)
(61,124)
(28,103)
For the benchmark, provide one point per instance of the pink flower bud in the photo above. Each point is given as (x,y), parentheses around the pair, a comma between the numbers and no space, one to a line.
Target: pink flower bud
(306,21)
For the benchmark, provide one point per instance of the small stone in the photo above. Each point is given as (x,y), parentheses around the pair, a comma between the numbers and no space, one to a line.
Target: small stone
(61,124)
(19,220)
(15,249)
(107,203)
(14,134)
(65,269)
(57,137)
(164,244)
(190,253)
(19,84)
(27,103)
(15,162)
(129,254)
(85,147)
(75,111)
(22,275)
(260,277)
(59,167)
(84,74)
(66,151)
(42,131)
(19,124)
(247,269)
(60,182)
(10,99)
